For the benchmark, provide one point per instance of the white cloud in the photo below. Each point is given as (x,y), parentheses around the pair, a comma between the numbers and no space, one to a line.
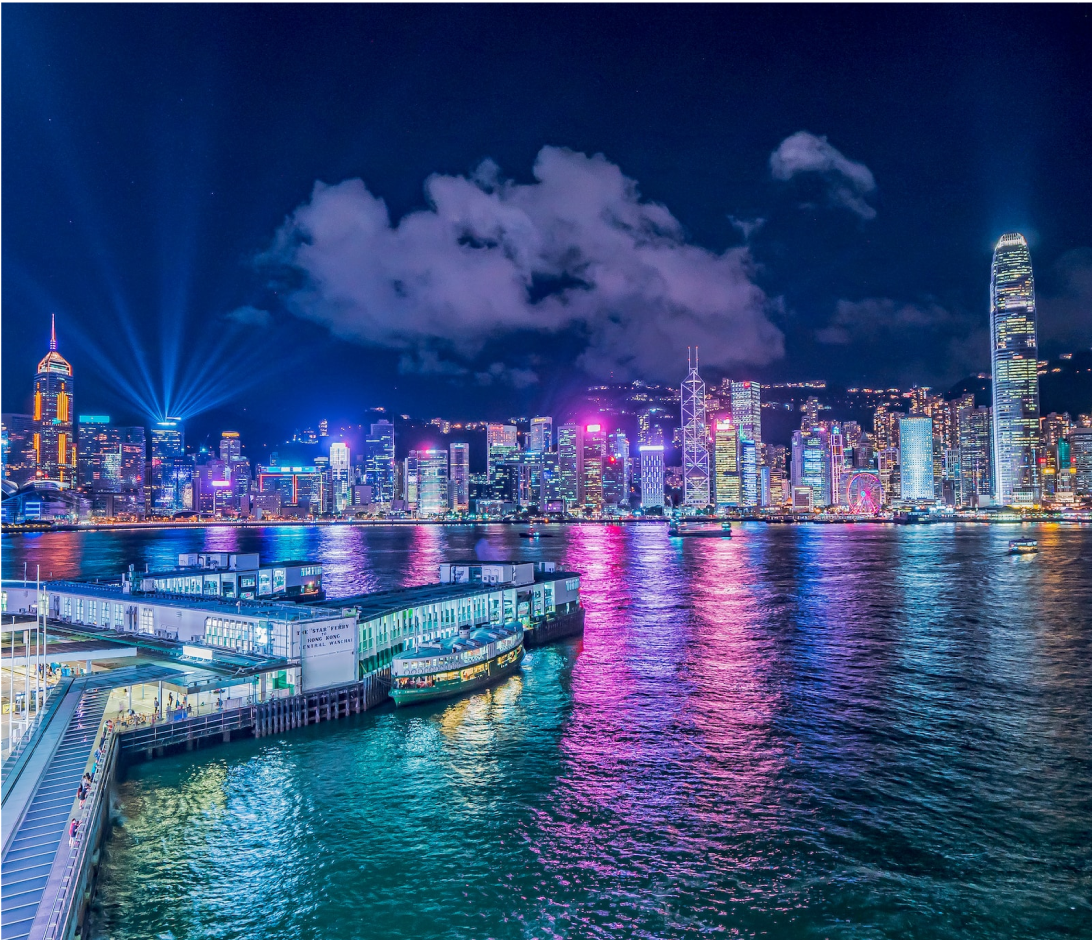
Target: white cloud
(847,181)
(578,249)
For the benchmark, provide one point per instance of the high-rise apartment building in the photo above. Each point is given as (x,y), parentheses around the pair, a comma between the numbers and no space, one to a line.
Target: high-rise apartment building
(695,435)
(916,459)
(541,436)
(726,465)
(570,458)
(652,476)
(1015,374)
(54,416)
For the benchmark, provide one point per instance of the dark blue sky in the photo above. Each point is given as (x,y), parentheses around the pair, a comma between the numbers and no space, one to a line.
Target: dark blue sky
(151,154)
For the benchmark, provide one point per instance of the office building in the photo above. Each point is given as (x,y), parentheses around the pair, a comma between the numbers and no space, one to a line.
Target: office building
(379,462)
(617,470)
(301,490)
(726,465)
(501,442)
(916,482)
(1080,456)
(54,417)
(652,476)
(231,447)
(595,445)
(459,477)
(695,439)
(811,466)
(432,495)
(341,477)
(747,410)
(749,482)
(974,434)
(570,454)
(541,436)
(1015,374)
(169,477)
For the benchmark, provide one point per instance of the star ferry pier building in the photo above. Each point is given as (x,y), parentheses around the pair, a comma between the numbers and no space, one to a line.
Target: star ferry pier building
(104,656)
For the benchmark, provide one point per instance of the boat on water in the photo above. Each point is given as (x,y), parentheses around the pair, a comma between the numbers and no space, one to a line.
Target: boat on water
(709,528)
(1023,547)
(441,668)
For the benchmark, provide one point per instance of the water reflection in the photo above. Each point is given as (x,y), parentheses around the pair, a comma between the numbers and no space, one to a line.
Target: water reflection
(805,731)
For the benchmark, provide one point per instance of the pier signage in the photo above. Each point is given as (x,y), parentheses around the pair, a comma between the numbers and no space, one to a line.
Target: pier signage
(328,652)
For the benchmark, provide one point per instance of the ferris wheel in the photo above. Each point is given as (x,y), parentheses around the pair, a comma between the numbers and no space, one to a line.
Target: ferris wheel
(865,493)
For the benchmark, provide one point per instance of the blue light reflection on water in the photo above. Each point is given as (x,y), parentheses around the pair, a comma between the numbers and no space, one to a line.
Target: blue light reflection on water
(812,731)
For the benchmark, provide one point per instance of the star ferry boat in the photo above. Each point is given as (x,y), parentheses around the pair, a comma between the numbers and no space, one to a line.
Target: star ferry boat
(472,659)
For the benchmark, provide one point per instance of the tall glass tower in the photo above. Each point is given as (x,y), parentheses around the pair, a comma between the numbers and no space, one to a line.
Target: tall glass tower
(1015,374)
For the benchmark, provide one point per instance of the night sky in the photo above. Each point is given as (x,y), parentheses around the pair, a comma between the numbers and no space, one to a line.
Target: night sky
(259,216)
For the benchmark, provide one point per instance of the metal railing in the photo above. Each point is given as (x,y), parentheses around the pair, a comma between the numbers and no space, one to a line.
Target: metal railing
(65,904)
(162,733)
(18,755)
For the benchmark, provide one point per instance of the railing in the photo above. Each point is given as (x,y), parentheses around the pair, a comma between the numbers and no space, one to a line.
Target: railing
(66,903)
(163,733)
(17,757)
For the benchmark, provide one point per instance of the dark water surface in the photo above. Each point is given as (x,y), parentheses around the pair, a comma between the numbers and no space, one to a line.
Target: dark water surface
(806,731)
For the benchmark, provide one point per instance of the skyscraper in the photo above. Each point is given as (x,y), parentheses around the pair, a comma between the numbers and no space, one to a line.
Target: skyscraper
(695,439)
(459,477)
(570,456)
(975,429)
(502,443)
(652,476)
(1015,374)
(747,410)
(19,455)
(726,477)
(916,459)
(379,461)
(231,448)
(54,414)
(595,446)
(749,482)
(432,498)
(541,437)
(168,447)
(341,476)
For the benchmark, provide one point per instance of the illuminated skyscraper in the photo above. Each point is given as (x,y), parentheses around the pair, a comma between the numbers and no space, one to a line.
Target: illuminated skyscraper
(379,462)
(341,476)
(110,466)
(432,498)
(811,465)
(570,458)
(726,477)
(54,440)
(502,443)
(1015,374)
(168,449)
(459,477)
(541,437)
(975,428)
(617,469)
(749,482)
(916,459)
(652,476)
(695,433)
(747,410)
(231,448)
(595,441)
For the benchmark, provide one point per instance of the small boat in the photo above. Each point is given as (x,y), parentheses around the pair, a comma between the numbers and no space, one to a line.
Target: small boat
(472,659)
(707,528)
(529,534)
(1023,547)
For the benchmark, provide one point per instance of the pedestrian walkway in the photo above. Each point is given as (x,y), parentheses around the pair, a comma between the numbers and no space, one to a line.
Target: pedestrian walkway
(33,847)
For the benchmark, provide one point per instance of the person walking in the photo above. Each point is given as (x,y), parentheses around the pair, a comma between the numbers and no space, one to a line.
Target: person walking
(73,828)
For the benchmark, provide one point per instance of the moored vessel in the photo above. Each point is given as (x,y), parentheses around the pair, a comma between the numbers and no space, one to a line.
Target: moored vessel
(472,659)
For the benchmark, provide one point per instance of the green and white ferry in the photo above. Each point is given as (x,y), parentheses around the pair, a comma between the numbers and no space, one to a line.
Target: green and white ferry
(472,659)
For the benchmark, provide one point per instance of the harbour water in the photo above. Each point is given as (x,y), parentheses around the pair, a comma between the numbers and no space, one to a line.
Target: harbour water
(804,731)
